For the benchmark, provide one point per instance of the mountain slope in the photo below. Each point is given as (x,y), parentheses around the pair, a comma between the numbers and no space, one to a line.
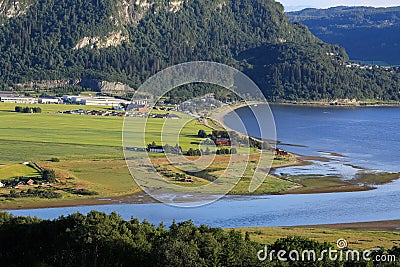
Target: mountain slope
(129,40)
(368,34)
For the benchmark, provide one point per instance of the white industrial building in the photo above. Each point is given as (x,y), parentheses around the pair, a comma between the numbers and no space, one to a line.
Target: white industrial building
(49,101)
(19,100)
(103,101)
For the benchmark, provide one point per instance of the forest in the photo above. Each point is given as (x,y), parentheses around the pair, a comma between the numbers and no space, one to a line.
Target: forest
(98,239)
(285,59)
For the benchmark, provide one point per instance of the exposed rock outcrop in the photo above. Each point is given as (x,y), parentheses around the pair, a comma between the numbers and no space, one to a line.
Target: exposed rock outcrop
(113,39)
(11,9)
(175,6)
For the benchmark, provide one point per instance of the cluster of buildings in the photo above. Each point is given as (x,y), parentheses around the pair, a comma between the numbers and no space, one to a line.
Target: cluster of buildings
(94,100)
(368,66)
(165,116)
(13,97)
(112,113)
(358,66)
(280,152)
(17,184)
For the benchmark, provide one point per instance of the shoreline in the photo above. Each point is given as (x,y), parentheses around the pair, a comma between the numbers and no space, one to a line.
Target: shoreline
(143,198)
(303,160)
(219,114)
(330,105)
(386,225)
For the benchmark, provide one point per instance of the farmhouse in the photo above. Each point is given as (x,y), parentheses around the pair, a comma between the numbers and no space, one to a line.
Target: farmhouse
(2,185)
(137,107)
(19,185)
(223,142)
(280,152)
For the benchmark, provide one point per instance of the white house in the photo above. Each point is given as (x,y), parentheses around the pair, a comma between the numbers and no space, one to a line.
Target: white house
(139,102)
(1,184)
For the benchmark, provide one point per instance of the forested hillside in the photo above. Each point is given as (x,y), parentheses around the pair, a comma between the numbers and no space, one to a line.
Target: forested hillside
(127,41)
(367,33)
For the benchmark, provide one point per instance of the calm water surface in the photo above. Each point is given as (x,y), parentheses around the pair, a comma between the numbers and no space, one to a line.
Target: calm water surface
(367,137)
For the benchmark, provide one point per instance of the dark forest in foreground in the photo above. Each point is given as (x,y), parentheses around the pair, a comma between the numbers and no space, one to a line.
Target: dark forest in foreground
(98,239)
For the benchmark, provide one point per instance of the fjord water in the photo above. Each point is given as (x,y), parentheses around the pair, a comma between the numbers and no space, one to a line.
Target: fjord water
(367,137)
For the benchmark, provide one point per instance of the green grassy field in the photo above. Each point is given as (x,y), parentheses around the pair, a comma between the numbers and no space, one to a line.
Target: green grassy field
(91,154)
(108,177)
(357,239)
(39,137)
(16,170)
(89,147)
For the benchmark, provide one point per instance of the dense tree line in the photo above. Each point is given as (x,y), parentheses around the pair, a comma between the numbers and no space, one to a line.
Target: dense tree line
(286,60)
(226,151)
(28,109)
(33,192)
(98,239)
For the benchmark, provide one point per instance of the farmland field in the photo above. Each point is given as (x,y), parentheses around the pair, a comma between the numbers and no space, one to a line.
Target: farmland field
(15,170)
(39,137)
(360,239)
(86,151)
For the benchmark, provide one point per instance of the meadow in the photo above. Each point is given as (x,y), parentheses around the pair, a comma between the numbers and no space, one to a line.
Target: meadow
(88,149)
(15,170)
(85,147)
(39,137)
(359,239)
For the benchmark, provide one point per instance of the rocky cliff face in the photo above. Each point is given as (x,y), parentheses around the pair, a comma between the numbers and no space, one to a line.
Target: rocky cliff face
(10,9)
(127,13)
(113,39)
